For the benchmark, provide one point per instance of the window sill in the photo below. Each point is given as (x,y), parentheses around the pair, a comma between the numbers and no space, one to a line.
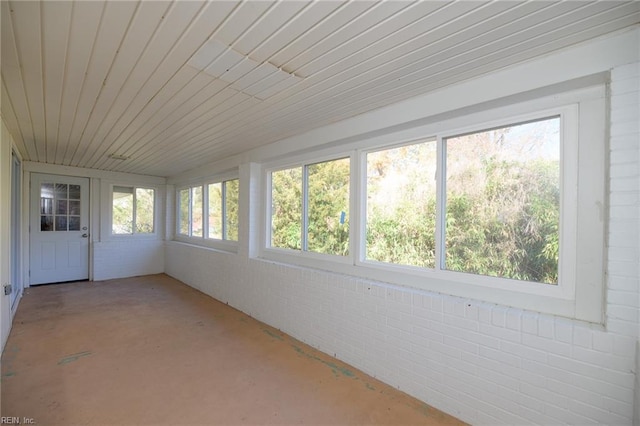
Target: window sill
(220,246)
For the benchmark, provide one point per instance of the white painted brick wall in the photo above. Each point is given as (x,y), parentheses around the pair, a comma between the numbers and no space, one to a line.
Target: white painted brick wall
(130,258)
(483,363)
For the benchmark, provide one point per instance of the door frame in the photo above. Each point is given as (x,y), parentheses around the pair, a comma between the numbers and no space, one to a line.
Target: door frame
(28,172)
(17,272)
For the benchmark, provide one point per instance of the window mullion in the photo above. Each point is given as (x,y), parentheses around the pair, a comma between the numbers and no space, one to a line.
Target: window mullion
(190,211)
(135,211)
(357,200)
(305,207)
(223,209)
(205,211)
(441,173)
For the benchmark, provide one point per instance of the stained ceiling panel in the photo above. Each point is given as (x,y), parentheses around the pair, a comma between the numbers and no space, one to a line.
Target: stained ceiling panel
(174,85)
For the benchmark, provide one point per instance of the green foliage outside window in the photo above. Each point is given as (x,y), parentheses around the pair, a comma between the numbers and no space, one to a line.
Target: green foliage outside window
(327,208)
(502,204)
(126,201)
(232,188)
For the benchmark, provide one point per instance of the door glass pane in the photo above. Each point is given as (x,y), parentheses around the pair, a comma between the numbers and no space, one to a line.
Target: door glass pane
(61,223)
(61,207)
(74,192)
(215,211)
(74,223)
(328,227)
(61,190)
(46,223)
(46,190)
(74,208)
(46,205)
(503,202)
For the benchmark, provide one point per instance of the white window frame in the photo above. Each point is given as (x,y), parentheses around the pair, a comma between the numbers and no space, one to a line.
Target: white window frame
(134,234)
(215,243)
(580,289)
(304,253)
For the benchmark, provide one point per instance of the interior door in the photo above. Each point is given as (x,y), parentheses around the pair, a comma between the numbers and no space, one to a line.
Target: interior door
(59,231)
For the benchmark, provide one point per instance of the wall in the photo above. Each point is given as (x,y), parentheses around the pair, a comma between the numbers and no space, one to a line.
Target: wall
(121,256)
(484,363)
(6,143)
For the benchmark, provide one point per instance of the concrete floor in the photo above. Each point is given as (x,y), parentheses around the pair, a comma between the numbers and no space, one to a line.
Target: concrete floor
(151,350)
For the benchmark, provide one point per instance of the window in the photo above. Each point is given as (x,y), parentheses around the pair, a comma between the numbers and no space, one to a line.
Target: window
(502,214)
(217,202)
(483,205)
(310,207)
(401,205)
(133,210)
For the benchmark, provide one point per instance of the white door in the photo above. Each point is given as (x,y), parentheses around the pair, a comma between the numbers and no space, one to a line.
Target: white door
(59,231)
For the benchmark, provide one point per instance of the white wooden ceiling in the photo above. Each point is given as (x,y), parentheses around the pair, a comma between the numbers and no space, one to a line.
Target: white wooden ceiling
(162,84)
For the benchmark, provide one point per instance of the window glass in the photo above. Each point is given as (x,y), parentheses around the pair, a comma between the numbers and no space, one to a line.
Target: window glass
(401,205)
(197,221)
(231,209)
(503,202)
(215,211)
(209,211)
(133,211)
(122,218)
(328,207)
(144,210)
(183,202)
(286,208)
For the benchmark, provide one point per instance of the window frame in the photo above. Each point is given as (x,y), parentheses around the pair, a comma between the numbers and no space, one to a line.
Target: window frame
(577,295)
(134,234)
(281,253)
(204,240)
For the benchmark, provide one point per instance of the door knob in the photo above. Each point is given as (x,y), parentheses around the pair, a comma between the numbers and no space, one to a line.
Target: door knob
(85,235)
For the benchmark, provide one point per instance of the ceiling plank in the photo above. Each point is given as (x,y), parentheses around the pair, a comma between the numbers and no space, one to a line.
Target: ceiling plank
(11,121)
(313,12)
(145,23)
(14,84)
(200,27)
(173,23)
(56,24)
(28,39)
(241,19)
(380,12)
(318,21)
(116,18)
(267,25)
(84,27)
(178,141)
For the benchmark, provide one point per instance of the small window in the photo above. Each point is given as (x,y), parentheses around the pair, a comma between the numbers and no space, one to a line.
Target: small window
(310,207)
(133,210)
(209,211)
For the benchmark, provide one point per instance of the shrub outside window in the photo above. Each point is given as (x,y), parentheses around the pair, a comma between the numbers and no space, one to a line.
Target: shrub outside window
(133,210)
(310,207)
(503,202)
